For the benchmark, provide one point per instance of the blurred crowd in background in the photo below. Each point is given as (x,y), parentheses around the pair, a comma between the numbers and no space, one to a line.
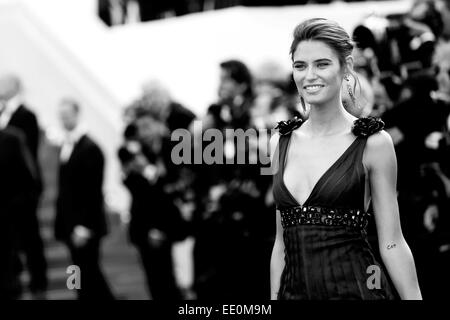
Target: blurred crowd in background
(403,64)
(117,12)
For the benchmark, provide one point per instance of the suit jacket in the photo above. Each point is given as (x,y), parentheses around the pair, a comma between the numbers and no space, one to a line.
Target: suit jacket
(25,120)
(16,184)
(80,196)
(17,175)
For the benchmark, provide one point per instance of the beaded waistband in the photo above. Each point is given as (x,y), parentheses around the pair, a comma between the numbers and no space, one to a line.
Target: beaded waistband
(312,215)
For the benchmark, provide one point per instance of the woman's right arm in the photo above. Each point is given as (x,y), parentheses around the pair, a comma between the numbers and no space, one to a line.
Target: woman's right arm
(277,260)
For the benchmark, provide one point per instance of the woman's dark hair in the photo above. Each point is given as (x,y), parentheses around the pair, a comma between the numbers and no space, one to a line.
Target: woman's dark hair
(326,31)
(239,72)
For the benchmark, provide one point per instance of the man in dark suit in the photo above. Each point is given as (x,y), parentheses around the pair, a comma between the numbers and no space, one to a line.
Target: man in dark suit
(17,115)
(16,184)
(80,217)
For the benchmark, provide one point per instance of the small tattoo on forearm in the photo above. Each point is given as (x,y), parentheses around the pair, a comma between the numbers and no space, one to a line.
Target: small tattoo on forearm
(391,246)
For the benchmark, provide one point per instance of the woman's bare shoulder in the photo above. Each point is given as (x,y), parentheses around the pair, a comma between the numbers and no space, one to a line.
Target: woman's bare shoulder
(379,150)
(379,140)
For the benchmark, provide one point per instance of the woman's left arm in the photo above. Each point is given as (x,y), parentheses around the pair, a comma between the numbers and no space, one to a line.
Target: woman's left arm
(381,163)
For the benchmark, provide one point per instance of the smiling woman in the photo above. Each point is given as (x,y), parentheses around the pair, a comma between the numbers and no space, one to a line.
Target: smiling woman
(331,167)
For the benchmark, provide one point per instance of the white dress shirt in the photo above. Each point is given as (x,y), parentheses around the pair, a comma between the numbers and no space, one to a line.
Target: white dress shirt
(70,139)
(11,106)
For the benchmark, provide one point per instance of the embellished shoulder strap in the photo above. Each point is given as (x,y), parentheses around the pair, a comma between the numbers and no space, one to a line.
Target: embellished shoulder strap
(364,127)
(286,127)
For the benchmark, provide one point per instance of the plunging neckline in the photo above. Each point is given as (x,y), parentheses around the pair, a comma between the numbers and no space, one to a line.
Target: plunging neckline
(321,178)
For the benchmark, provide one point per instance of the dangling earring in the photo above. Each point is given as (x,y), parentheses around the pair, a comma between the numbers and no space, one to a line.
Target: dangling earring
(349,89)
(305,111)
(303,103)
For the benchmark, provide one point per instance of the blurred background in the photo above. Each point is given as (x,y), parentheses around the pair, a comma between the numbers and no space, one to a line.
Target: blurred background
(127,73)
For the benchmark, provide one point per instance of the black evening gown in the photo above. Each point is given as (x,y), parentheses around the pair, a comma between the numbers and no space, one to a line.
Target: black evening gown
(327,254)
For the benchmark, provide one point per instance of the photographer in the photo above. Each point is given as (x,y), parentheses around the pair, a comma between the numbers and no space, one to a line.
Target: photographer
(395,47)
(156,222)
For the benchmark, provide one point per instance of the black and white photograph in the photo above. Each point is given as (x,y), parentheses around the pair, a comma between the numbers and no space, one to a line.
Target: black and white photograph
(228,153)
